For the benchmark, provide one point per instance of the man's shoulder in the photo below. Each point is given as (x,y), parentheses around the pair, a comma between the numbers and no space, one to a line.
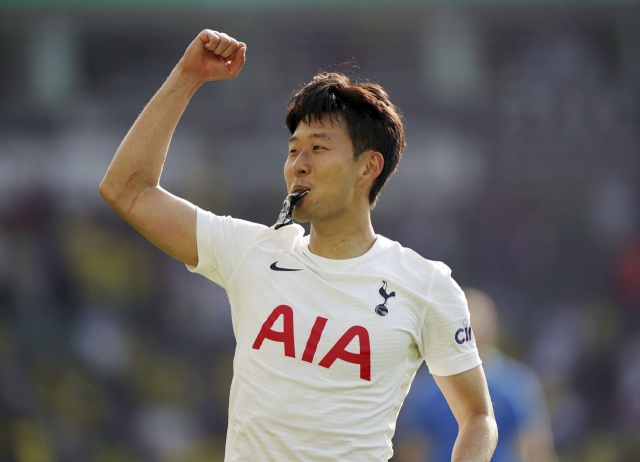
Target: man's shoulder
(241,227)
(409,262)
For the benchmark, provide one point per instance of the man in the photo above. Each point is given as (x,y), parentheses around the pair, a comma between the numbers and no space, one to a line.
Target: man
(427,430)
(322,363)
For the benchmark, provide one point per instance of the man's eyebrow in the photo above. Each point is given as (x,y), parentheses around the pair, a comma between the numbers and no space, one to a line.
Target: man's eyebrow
(322,135)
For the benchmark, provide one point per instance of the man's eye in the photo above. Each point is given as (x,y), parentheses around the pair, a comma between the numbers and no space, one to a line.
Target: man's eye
(318,147)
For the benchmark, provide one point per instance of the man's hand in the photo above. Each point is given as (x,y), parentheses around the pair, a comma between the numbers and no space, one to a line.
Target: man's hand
(213,56)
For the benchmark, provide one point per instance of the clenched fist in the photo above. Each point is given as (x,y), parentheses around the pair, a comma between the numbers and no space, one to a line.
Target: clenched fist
(213,56)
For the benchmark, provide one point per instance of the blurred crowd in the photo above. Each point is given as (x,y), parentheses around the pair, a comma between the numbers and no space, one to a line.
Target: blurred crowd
(521,173)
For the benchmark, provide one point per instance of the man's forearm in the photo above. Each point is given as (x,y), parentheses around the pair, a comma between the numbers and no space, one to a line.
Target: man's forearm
(138,161)
(477,439)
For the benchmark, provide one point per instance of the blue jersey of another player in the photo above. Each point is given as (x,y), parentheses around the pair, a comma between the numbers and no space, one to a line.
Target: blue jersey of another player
(518,402)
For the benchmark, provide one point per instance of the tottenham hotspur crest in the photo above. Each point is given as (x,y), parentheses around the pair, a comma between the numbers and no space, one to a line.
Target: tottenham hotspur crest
(381,309)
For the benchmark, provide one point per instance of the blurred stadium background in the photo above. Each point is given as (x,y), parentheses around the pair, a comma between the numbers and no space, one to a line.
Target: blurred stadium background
(521,173)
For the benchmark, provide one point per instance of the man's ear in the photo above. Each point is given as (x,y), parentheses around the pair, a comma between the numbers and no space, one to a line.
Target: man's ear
(372,164)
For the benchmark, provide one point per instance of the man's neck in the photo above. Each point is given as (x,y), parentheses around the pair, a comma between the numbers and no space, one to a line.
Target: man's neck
(347,237)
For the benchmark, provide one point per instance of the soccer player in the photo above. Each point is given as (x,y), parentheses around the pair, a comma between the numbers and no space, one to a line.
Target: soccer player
(330,327)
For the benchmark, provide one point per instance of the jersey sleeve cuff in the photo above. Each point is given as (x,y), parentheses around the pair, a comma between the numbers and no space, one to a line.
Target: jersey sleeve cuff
(455,367)
(205,248)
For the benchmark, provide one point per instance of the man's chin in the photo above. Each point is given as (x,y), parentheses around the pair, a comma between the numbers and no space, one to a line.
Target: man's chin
(300,216)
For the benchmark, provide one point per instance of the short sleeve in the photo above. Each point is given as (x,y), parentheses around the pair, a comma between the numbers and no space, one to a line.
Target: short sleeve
(222,241)
(447,341)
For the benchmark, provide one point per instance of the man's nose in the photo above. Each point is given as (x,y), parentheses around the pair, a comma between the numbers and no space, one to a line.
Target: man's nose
(301,164)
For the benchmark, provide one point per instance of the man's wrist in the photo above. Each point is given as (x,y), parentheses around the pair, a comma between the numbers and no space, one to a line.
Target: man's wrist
(184,81)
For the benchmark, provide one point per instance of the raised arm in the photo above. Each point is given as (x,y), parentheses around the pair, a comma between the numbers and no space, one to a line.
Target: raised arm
(132,183)
(468,398)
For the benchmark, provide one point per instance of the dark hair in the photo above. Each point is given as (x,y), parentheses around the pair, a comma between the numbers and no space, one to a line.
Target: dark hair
(373,122)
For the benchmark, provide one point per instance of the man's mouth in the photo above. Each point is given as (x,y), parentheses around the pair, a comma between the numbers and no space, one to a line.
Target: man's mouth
(300,188)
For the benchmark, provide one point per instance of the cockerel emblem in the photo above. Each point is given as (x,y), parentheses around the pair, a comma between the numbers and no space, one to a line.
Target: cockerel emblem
(382,309)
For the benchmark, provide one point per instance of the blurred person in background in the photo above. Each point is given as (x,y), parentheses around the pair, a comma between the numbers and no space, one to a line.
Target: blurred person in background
(283,406)
(427,430)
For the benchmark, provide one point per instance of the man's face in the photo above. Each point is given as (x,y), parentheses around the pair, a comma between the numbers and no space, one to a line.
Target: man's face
(321,160)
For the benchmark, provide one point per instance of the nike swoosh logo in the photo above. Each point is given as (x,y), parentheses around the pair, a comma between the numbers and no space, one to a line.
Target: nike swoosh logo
(274,266)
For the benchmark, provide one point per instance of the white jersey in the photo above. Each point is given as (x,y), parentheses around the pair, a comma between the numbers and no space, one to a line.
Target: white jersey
(327,349)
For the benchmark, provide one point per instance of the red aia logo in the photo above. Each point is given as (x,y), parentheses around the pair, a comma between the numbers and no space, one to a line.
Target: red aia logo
(337,351)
